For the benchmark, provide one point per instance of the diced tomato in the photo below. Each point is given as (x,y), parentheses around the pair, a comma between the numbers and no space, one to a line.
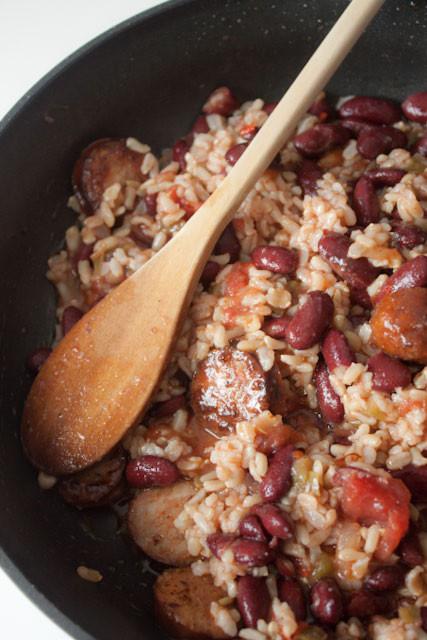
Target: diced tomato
(239,224)
(189,207)
(369,499)
(232,313)
(172,193)
(237,278)
(247,129)
(411,404)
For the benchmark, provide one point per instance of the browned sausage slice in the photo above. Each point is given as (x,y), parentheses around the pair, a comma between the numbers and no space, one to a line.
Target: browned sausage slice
(101,484)
(229,386)
(182,604)
(100,165)
(150,519)
(399,324)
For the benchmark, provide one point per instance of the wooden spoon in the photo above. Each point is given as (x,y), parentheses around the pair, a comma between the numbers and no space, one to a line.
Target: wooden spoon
(100,378)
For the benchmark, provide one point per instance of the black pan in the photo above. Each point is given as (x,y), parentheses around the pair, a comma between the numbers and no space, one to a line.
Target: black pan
(146,78)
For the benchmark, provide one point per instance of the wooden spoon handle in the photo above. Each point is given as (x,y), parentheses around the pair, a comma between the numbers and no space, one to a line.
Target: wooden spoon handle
(218,210)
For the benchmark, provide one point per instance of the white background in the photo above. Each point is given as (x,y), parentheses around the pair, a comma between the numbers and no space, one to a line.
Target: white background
(34,36)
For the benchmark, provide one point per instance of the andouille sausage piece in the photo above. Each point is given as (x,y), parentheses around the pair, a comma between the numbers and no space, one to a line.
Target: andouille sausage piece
(229,386)
(182,603)
(100,165)
(101,484)
(399,324)
(150,520)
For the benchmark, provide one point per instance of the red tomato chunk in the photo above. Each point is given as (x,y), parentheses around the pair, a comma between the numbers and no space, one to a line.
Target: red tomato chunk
(369,499)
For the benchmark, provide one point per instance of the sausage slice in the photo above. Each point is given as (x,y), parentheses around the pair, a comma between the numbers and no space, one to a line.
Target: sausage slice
(101,484)
(100,165)
(182,604)
(399,324)
(229,386)
(150,521)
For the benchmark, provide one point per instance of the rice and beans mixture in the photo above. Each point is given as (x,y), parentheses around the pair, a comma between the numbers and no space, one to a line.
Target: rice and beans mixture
(282,468)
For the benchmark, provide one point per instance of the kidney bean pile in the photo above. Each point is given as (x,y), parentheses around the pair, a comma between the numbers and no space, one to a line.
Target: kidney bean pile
(232,386)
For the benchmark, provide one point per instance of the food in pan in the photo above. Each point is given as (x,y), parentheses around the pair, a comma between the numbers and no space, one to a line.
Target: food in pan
(281,471)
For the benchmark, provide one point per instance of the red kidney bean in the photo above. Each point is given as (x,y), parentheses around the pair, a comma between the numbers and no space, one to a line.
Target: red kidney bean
(275,259)
(219,542)
(83,253)
(326,601)
(423,612)
(321,108)
(269,107)
(365,202)
(336,350)
(275,521)
(252,553)
(408,236)
(276,327)
(415,478)
(70,317)
(415,107)
(150,200)
(250,527)
(228,243)
(180,148)
(221,101)
(277,481)
(310,321)
(410,550)
(235,152)
(139,236)
(291,592)
(357,272)
(386,578)
(168,407)
(321,138)
(253,600)
(421,147)
(329,402)
(308,174)
(356,126)
(151,471)
(200,125)
(38,357)
(361,298)
(209,273)
(411,274)
(374,110)
(388,373)
(383,177)
(380,140)
(365,603)
(285,566)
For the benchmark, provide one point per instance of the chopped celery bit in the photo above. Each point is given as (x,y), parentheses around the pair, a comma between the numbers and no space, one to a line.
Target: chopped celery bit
(323,568)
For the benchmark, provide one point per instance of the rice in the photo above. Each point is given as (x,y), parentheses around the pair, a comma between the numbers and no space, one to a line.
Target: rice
(381,431)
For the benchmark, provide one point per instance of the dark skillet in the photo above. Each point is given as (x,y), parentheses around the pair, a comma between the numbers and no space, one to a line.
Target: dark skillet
(147,78)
